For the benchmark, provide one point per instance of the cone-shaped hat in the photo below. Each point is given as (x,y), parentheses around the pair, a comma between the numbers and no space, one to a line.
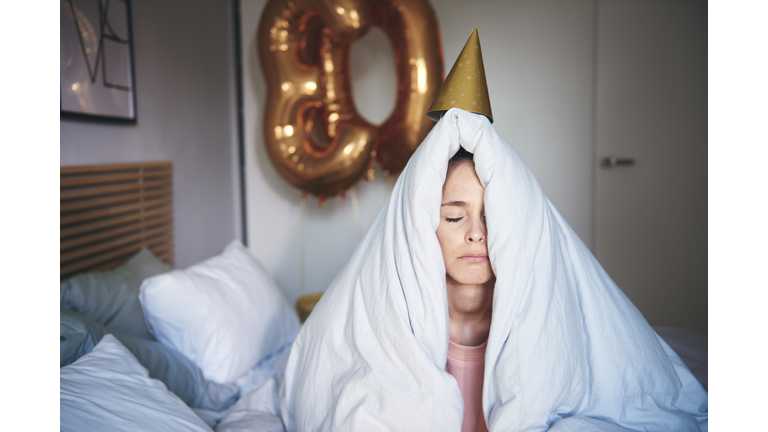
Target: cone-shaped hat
(465,86)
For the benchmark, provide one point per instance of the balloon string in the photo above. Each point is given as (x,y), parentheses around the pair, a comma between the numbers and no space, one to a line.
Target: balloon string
(355,209)
(303,223)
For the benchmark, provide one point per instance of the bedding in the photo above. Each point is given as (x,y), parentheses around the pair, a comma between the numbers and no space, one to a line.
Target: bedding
(579,423)
(111,297)
(180,375)
(258,410)
(273,364)
(108,389)
(691,346)
(273,325)
(225,314)
(565,343)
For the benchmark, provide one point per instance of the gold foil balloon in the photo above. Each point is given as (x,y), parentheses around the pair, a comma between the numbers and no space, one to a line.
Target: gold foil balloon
(315,137)
(415,36)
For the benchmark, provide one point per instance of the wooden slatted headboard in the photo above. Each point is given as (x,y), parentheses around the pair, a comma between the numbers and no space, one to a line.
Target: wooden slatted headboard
(109,212)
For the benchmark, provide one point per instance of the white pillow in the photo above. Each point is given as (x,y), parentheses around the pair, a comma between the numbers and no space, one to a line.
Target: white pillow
(108,389)
(225,313)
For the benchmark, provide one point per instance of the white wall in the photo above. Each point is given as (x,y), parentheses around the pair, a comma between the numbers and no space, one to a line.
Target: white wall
(186,106)
(539,62)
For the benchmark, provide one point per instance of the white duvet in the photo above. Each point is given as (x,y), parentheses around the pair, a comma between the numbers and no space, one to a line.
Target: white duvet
(565,342)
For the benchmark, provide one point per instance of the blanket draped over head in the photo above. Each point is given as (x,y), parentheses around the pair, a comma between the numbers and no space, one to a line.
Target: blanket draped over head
(564,340)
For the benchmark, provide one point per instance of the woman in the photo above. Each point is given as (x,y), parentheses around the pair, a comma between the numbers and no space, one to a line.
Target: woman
(565,349)
(469,281)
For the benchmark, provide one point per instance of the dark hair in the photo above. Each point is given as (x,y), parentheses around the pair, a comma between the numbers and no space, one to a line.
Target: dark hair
(461,156)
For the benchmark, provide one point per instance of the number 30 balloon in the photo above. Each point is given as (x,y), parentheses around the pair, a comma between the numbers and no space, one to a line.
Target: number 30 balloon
(315,136)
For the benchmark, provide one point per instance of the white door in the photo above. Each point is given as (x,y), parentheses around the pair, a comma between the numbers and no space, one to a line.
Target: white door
(651,106)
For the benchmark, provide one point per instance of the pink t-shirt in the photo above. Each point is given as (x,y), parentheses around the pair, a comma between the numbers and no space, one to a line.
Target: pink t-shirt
(466,364)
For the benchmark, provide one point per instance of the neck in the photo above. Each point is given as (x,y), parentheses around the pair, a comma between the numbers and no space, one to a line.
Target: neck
(469,309)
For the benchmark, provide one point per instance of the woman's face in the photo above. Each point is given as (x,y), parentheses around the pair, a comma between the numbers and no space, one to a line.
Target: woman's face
(462,233)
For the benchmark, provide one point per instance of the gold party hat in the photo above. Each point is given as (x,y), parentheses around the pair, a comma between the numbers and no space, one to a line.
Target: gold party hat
(465,85)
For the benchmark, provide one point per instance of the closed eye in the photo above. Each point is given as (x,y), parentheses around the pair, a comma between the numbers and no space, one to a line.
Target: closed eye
(454,219)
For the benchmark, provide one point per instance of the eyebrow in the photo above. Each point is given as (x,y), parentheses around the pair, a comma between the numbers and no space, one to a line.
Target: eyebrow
(455,203)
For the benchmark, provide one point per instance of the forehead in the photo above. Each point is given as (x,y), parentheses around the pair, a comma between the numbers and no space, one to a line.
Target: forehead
(462,184)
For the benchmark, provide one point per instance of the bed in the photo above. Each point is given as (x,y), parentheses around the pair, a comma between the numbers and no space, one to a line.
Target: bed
(147,347)
(124,365)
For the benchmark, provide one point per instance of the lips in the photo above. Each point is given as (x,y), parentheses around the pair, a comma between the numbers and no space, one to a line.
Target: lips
(474,257)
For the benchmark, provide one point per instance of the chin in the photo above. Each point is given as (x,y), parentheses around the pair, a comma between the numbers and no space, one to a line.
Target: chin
(473,276)
(475,281)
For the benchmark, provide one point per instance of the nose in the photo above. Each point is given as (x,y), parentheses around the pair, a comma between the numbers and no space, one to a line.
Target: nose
(477,231)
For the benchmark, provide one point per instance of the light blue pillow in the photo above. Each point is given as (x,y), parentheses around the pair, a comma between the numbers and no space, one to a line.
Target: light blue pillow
(111,298)
(107,389)
(80,335)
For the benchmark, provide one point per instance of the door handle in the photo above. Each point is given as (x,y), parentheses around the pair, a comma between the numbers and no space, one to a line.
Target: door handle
(613,161)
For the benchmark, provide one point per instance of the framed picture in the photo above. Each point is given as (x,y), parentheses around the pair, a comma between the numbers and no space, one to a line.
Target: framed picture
(97,74)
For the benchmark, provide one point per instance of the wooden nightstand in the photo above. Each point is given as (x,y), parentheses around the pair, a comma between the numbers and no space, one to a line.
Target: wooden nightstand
(305,304)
